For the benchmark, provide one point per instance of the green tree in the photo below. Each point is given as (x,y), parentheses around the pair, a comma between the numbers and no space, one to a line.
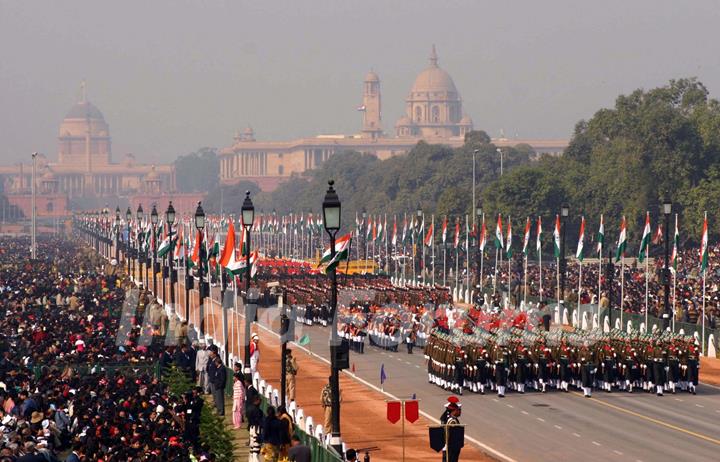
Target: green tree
(198,171)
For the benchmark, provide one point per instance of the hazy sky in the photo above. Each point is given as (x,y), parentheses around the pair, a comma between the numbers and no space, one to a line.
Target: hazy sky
(171,76)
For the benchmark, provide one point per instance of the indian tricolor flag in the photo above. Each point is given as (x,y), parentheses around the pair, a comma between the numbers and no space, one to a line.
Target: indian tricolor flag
(342,249)
(601,236)
(645,241)
(498,234)
(622,240)
(526,236)
(676,244)
(227,257)
(581,241)
(483,236)
(538,241)
(444,229)
(704,246)
(556,237)
(394,236)
(508,241)
(430,235)
(456,240)
(165,246)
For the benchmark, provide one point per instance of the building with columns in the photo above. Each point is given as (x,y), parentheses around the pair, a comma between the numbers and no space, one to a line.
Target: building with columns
(433,113)
(84,174)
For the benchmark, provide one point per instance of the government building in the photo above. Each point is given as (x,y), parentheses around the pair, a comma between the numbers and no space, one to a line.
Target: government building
(84,176)
(433,113)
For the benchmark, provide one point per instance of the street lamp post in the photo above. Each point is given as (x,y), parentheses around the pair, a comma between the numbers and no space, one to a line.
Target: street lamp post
(200,225)
(419,241)
(140,217)
(106,241)
(128,217)
(475,153)
(564,212)
(478,214)
(117,235)
(33,212)
(248,217)
(170,218)
(667,210)
(500,151)
(331,219)
(154,221)
(364,218)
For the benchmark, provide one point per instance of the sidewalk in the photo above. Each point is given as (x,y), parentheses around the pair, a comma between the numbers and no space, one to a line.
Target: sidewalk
(242,451)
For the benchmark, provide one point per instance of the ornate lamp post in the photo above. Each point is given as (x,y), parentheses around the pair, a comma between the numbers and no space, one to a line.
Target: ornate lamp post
(128,218)
(564,212)
(248,217)
(140,217)
(154,222)
(667,210)
(170,218)
(200,225)
(331,220)
(478,214)
(117,235)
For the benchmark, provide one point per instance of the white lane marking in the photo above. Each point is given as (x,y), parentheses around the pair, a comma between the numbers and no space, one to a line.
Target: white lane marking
(510,406)
(526,412)
(541,419)
(576,435)
(678,399)
(558,427)
(407,362)
(495,399)
(400,359)
(596,443)
(617,452)
(417,366)
(699,405)
(492,451)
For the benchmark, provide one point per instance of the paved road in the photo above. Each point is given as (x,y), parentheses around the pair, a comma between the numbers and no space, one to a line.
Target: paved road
(556,426)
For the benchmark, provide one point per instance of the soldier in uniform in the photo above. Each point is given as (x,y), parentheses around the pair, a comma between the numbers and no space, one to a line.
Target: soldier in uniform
(501,361)
(451,416)
(659,363)
(587,370)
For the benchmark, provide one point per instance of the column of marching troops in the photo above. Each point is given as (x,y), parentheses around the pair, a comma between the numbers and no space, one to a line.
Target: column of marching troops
(517,360)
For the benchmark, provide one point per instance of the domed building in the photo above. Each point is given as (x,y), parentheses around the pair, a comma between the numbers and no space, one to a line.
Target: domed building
(84,172)
(433,108)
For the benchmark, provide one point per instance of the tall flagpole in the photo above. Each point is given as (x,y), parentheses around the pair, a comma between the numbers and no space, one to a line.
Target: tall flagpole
(578,324)
(703,314)
(622,290)
(422,243)
(432,247)
(509,259)
(674,293)
(525,280)
(482,253)
(444,254)
(539,251)
(646,286)
(467,254)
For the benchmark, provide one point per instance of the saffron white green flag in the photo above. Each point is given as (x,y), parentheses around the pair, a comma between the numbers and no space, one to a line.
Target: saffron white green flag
(508,241)
(498,234)
(342,249)
(483,236)
(581,241)
(704,246)
(164,247)
(538,241)
(645,241)
(526,236)
(676,242)
(622,241)
(556,237)
(601,236)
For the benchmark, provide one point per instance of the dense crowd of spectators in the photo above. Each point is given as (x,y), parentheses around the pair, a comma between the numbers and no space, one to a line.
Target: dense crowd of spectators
(76,379)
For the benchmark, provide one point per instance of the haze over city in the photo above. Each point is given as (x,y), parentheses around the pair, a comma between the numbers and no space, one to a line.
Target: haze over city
(173,76)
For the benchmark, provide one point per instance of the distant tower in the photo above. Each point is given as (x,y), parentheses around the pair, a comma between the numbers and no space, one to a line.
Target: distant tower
(371,107)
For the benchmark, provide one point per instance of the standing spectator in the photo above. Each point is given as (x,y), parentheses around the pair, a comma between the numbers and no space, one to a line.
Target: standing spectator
(291,370)
(255,419)
(326,401)
(238,400)
(201,363)
(273,430)
(217,376)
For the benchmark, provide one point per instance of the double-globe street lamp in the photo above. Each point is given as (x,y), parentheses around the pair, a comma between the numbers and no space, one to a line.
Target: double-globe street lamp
(128,218)
(140,218)
(564,212)
(199,225)
(478,214)
(117,235)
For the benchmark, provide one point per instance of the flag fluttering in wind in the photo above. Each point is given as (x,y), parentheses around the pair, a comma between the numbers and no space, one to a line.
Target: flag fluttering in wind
(456,240)
(601,236)
(508,241)
(645,241)
(498,234)
(658,236)
(538,241)
(430,236)
(483,236)
(622,240)
(581,241)
(228,258)
(395,231)
(342,249)
(526,236)
(444,229)
(704,246)
(556,237)
(304,340)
